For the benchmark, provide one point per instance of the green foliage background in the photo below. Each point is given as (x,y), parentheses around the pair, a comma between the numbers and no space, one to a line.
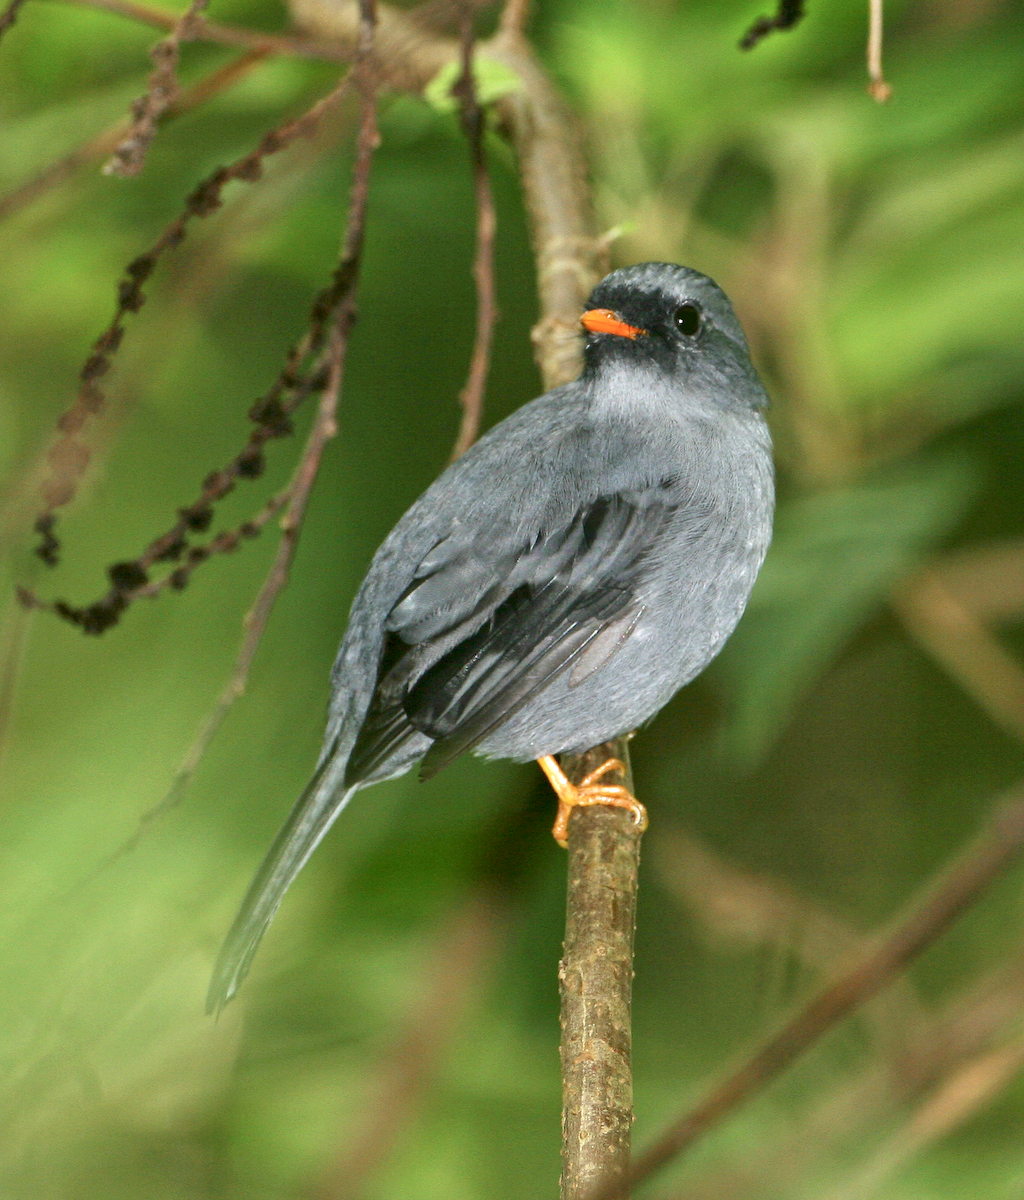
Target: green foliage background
(876,255)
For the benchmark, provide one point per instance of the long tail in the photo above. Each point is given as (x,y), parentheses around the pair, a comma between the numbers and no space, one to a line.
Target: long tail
(309,820)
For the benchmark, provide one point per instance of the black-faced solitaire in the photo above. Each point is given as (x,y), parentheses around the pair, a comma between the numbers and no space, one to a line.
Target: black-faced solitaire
(561,581)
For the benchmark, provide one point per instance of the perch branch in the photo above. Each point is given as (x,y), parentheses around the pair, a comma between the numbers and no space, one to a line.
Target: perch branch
(943,901)
(596,978)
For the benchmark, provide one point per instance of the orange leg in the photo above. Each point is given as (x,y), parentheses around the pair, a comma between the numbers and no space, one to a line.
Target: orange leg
(589,791)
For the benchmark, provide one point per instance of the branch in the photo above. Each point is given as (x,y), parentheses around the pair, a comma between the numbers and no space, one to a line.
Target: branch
(877,87)
(224,35)
(161,92)
(339,305)
(107,141)
(788,14)
(596,977)
(68,457)
(570,257)
(472,395)
(925,920)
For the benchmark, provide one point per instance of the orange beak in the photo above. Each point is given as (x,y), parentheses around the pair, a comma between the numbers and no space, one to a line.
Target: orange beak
(603,320)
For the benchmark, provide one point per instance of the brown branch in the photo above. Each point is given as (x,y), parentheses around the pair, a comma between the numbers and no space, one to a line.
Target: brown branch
(337,304)
(472,395)
(570,257)
(971,1024)
(788,14)
(105,142)
(877,87)
(68,457)
(9,15)
(224,35)
(161,92)
(753,908)
(926,919)
(596,977)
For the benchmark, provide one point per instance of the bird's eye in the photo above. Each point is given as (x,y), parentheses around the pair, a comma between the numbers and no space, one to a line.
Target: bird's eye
(687,319)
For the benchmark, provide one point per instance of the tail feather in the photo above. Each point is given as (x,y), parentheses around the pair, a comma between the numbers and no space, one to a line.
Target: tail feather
(309,820)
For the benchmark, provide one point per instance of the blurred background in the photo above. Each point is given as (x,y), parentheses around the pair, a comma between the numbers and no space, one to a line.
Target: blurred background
(398,1035)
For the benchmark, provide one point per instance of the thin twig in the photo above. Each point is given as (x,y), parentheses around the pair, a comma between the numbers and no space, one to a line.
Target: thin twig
(342,314)
(106,142)
(161,92)
(596,977)
(979,1018)
(68,457)
(877,87)
(925,919)
(224,35)
(788,14)
(472,395)
(9,15)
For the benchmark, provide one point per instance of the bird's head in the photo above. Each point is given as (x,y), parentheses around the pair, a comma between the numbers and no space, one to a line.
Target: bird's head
(664,317)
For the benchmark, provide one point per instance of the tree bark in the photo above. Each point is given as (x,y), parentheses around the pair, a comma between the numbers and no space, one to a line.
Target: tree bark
(596,978)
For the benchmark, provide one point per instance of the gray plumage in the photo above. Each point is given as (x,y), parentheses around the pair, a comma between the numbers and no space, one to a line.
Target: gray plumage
(559,583)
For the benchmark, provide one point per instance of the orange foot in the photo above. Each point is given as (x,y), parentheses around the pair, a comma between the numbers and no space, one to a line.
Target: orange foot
(589,791)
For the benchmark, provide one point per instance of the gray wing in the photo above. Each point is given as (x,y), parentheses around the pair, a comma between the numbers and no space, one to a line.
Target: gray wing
(482,629)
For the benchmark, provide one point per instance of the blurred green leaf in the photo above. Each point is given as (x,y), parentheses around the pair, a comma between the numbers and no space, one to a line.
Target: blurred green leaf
(491,79)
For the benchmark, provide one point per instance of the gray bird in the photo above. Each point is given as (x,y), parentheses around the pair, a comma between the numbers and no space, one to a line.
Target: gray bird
(560,582)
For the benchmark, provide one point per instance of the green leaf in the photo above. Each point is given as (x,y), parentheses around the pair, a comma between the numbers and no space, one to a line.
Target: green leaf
(835,558)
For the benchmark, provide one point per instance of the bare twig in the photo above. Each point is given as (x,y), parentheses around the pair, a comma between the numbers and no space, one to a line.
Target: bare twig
(596,976)
(877,87)
(788,14)
(109,139)
(13,642)
(68,457)
(225,35)
(570,257)
(9,15)
(942,902)
(161,92)
(337,305)
(752,908)
(970,1025)
(472,395)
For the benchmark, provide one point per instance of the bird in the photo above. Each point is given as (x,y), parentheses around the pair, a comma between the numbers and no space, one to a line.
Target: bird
(558,583)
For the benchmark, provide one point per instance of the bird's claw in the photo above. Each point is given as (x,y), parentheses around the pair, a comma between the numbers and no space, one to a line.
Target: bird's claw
(587,792)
